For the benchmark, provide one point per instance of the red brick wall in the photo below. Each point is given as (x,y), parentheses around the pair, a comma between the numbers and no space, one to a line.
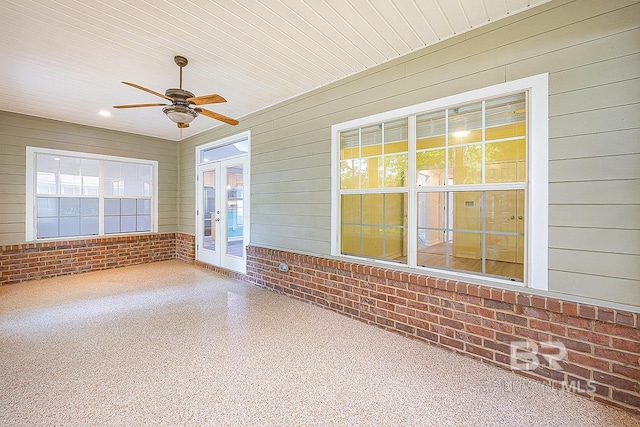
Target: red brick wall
(185,247)
(602,344)
(19,263)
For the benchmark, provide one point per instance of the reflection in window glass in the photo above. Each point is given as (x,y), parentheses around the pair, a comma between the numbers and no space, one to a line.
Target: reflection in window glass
(473,231)
(222,152)
(465,124)
(68,195)
(375,156)
(464,157)
(431,130)
(374,226)
(465,165)
(67,216)
(47,227)
(125,215)
(467,188)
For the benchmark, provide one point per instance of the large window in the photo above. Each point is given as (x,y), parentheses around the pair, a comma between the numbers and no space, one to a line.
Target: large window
(73,194)
(456,185)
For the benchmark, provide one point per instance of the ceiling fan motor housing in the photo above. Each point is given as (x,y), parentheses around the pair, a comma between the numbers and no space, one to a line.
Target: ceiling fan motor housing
(179,96)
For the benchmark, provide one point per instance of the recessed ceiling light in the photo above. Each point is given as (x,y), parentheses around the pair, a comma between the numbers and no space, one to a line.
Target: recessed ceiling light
(461,133)
(104,113)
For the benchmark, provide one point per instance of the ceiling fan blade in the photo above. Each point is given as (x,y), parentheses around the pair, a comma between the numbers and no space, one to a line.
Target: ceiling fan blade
(149,91)
(206,99)
(138,105)
(217,116)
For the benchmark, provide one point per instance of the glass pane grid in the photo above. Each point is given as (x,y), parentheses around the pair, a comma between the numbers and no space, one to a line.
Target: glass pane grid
(75,184)
(375,156)
(127,215)
(464,134)
(479,148)
(479,232)
(373,226)
(66,217)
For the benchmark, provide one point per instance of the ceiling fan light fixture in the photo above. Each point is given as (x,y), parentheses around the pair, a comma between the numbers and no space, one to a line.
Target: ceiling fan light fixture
(180,114)
(180,111)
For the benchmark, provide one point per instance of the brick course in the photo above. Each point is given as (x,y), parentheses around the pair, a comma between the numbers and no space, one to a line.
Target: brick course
(19,263)
(602,344)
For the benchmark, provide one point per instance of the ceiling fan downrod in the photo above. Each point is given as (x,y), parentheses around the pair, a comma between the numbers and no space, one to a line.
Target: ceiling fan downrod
(181,61)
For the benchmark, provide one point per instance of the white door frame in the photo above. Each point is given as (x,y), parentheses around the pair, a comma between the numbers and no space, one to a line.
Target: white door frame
(220,256)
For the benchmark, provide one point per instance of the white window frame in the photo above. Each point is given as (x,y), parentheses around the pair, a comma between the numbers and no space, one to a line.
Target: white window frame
(537,225)
(30,214)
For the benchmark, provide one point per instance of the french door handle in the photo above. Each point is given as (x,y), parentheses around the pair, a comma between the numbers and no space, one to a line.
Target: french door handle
(217,219)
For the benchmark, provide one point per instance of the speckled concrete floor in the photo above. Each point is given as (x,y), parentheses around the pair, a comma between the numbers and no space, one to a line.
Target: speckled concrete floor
(171,344)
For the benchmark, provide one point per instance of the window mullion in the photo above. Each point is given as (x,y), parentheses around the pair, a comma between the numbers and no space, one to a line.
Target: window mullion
(360,158)
(101,182)
(446,146)
(483,128)
(483,214)
(412,196)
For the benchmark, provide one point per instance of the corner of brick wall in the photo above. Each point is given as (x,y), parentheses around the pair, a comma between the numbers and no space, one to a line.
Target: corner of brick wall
(185,247)
(602,344)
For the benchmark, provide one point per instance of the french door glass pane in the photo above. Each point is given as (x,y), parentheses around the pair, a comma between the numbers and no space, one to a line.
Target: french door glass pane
(235,195)
(209,209)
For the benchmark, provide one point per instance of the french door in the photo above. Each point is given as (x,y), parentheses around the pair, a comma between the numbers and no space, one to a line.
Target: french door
(221,214)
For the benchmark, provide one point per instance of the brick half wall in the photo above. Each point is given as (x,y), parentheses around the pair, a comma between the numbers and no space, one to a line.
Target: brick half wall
(19,263)
(602,345)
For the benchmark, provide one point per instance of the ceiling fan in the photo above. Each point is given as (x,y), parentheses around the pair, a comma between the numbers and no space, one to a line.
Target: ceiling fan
(180,111)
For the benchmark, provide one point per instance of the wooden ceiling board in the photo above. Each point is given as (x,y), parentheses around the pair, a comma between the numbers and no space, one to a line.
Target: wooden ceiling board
(475,12)
(65,59)
(432,13)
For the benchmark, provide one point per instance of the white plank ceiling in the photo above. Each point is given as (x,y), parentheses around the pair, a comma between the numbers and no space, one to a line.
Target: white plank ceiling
(65,59)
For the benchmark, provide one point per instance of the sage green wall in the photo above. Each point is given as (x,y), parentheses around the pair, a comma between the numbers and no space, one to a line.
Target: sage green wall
(19,131)
(591,50)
